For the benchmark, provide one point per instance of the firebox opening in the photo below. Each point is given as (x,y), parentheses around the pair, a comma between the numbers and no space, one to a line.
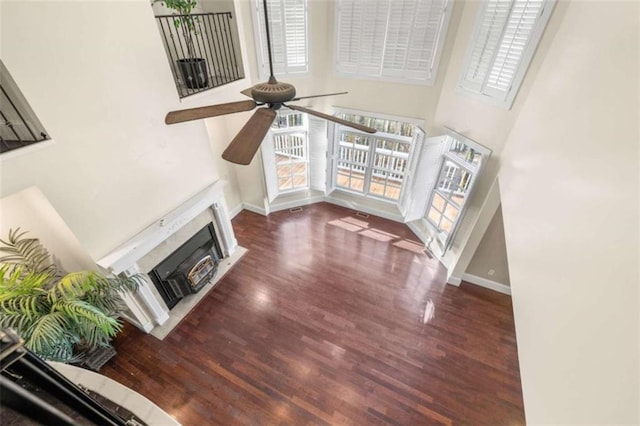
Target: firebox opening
(188,268)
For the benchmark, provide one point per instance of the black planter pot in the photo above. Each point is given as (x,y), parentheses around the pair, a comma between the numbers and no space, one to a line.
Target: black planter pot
(96,358)
(194,72)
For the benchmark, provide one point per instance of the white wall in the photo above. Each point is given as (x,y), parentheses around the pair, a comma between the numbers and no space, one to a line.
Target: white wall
(97,76)
(491,254)
(486,124)
(570,194)
(30,211)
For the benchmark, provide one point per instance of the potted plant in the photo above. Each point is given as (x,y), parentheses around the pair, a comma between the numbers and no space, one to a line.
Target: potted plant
(192,68)
(61,316)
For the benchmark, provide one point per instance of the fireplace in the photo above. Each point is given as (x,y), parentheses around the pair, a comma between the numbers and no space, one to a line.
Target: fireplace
(188,268)
(181,255)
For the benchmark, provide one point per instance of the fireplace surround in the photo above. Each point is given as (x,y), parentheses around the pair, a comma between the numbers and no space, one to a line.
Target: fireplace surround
(206,210)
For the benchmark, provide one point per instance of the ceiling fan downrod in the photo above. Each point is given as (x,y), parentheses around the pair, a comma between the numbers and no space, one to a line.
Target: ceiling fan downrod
(272,78)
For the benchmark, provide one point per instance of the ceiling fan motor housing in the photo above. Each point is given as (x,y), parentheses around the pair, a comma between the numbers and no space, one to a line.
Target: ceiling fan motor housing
(273,93)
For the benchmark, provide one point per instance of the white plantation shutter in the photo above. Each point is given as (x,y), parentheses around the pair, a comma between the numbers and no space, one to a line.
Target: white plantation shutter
(487,39)
(399,25)
(295,19)
(331,158)
(317,153)
(348,24)
(413,36)
(510,52)
(408,181)
(288,31)
(269,166)
(372,35)
(390,39)
(506,35)
(361,33)
(425,177)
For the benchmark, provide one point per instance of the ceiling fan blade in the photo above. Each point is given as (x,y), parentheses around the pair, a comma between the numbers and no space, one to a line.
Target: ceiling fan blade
(208,111)
(332,118)
(319,96)
(247,92)
(244,146)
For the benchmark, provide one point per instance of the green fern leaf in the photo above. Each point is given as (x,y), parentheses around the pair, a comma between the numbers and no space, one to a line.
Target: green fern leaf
(47,333)
(28,252)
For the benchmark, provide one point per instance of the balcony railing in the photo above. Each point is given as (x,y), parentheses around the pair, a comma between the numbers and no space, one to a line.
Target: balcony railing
(18,126)
(202,50)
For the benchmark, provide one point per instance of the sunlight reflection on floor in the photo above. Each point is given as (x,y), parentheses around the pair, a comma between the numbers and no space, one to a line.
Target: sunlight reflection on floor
(429,311)
(413,246)
(341,223)
(378,235)
(361,227)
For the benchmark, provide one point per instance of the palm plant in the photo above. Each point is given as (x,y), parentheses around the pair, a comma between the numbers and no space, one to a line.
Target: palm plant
(59,315)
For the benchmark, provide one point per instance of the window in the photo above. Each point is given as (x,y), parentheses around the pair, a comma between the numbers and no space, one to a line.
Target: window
(288,32)
(19,126)
(373,165)
(396,40)
(506,35)
(460,166)
(285,154)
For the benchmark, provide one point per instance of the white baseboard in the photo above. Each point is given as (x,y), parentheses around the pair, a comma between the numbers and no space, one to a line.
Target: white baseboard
(418,232)
(237,209)
(454,281)
(317,199)
(361,208)
(296,203)
(254,209)
(483,282)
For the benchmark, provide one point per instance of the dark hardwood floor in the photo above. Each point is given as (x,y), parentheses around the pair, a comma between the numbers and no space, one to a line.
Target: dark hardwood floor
(331,318)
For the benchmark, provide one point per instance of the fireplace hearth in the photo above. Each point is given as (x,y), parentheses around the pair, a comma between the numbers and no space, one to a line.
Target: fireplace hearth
(188,268)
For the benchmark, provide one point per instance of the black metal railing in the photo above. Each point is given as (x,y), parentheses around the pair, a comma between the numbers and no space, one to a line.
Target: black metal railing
(18,126)
(202,50)
(32,389)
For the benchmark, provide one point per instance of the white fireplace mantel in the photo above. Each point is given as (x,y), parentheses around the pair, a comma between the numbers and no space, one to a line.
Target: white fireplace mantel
(146,310)
(121,259)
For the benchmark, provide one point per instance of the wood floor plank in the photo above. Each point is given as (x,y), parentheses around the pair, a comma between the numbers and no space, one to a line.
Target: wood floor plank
(331,318)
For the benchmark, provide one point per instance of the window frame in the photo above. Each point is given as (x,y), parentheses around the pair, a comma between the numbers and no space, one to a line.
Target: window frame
(475,170)
(262,59)
(435,59)
(335,140)
(495,99)
(272,163)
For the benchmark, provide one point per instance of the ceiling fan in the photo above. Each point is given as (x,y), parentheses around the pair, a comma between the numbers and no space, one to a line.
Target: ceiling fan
(273,94)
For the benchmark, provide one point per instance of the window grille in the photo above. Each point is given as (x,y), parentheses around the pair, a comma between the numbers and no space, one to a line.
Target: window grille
(373,165)
(461,164)
(285,154)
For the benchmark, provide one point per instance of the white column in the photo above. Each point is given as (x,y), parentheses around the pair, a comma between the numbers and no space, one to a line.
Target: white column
(144,297)
(136,314)
(226,235)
